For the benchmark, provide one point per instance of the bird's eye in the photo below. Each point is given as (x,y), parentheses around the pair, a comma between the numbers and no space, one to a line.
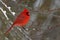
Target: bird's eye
(27,13)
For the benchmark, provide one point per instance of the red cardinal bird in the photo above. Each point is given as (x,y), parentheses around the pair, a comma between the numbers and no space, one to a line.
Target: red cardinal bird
(21,20)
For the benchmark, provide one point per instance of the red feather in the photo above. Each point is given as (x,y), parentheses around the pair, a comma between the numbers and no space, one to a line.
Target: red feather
(21,20)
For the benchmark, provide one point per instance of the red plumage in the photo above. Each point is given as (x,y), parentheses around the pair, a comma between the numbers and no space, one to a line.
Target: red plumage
(21,20)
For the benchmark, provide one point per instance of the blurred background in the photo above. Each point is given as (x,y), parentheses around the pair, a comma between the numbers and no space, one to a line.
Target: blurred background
(44,21)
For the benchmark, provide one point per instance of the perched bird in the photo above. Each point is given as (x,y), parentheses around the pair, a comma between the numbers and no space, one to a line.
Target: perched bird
(21,20)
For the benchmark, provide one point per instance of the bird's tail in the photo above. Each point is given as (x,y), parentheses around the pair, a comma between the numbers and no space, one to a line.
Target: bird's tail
(9,30)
